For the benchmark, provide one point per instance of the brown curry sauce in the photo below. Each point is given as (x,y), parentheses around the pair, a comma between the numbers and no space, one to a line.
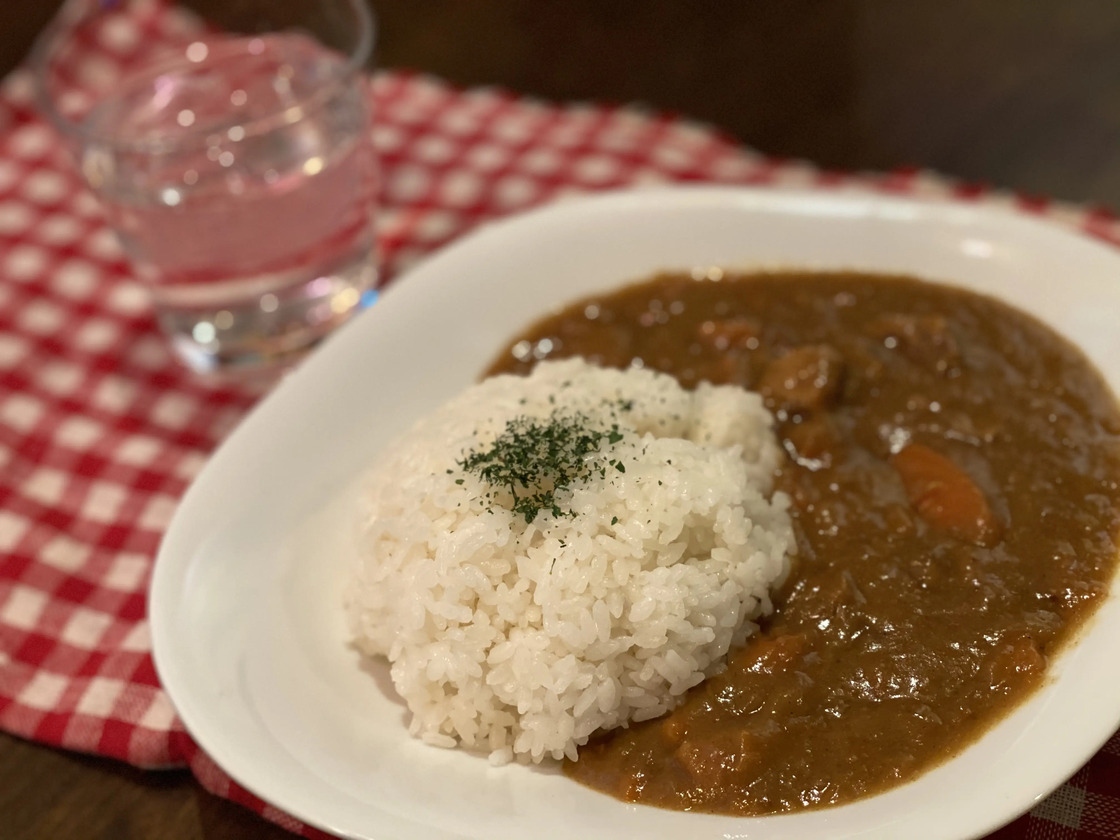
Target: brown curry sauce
(953,466)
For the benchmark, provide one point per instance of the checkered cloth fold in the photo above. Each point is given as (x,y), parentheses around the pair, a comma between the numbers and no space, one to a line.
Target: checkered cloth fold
(101,431)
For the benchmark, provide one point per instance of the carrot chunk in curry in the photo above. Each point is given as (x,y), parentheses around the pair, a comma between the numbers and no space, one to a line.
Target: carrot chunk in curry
(945,496)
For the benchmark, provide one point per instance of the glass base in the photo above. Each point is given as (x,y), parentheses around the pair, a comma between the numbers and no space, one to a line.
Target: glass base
(268,329)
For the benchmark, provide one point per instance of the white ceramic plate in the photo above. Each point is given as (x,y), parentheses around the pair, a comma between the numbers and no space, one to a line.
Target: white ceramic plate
(248,632)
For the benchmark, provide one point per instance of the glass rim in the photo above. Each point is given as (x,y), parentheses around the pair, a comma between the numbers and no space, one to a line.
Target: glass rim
(75,129)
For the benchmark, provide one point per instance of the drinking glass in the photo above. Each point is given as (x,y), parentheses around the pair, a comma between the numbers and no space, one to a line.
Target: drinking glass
(229,144)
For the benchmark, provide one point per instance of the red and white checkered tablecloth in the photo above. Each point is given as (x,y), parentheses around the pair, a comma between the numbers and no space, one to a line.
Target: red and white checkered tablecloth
(100,431)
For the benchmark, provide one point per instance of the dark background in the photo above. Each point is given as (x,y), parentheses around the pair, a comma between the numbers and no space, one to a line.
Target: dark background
(1023,94)
(1020,94)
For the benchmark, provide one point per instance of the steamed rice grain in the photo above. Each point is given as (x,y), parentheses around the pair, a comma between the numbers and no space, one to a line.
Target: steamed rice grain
(522,638)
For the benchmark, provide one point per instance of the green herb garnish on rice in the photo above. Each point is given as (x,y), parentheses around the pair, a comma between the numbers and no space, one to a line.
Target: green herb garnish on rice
(536,459)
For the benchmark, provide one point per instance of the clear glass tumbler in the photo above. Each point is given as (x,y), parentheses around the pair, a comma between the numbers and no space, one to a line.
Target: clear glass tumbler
(229,144)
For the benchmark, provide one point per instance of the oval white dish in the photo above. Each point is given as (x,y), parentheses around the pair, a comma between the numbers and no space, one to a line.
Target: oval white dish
(248,632)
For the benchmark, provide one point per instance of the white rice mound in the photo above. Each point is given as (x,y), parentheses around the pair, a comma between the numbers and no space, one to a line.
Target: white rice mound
(522,639)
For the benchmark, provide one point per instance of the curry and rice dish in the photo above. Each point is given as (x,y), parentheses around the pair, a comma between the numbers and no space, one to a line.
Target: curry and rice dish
(953,468)
(848,545)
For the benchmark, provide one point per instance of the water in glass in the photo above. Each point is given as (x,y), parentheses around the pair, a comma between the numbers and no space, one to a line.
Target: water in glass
(240,179)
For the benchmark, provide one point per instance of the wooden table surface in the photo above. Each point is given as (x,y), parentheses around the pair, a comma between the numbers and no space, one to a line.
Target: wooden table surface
(1012,94)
